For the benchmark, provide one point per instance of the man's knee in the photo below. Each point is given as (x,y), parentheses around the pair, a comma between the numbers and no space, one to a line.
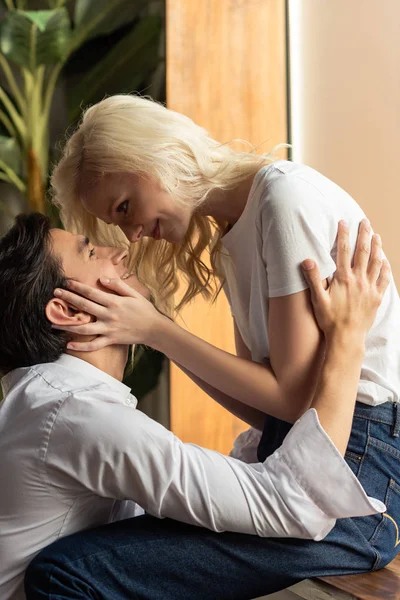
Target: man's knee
(50,575)
(37,577)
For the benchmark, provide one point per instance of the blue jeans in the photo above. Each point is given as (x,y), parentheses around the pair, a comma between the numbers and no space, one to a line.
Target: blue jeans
(151,559)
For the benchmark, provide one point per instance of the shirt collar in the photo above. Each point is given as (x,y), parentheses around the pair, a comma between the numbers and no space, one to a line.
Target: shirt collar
(72,363)
(77,364)
(5,384)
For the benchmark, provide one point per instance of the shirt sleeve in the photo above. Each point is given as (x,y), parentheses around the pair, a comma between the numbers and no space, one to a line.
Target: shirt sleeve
(105,447)
(246,445)
(295,224)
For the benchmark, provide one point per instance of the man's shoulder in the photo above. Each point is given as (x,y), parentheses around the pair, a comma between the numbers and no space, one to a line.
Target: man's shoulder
(46,382)
(63,380)
(66,385)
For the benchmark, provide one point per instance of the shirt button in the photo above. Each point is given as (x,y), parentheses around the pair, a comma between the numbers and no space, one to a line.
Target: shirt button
(128,401)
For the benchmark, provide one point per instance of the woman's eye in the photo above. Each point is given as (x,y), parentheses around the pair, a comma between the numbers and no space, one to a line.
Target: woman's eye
(123,207)
(92,253)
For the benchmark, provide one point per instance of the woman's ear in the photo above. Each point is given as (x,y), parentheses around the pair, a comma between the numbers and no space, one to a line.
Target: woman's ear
(60,312)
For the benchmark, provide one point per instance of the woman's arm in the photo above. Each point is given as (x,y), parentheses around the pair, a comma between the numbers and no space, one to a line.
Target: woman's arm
(296,349)
(284,389)
(246,413)
(132,319)
(244,380)
(249,415)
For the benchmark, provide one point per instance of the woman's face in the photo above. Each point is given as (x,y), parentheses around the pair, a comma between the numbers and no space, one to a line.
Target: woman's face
(140,207)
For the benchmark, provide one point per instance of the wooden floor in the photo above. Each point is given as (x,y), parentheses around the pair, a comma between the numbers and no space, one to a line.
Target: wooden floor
(379,585)
(383,584)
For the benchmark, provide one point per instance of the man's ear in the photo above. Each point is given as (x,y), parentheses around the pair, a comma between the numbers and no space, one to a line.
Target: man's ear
(60,312)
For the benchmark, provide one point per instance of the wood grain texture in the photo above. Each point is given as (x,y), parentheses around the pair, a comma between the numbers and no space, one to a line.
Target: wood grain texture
(312,589)
(226,69)
(379,585)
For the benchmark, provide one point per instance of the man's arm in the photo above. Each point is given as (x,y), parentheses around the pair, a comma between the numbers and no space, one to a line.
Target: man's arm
(102,446)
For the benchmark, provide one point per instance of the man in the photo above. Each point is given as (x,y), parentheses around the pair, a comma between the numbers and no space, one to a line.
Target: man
(75,452)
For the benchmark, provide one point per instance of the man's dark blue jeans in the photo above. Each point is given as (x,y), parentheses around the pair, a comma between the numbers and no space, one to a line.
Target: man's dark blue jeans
(150,559)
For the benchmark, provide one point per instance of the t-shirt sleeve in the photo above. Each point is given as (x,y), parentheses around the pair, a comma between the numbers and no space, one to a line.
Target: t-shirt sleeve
(295,225)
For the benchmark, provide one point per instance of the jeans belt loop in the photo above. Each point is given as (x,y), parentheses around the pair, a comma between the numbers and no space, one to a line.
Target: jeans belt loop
(396,420)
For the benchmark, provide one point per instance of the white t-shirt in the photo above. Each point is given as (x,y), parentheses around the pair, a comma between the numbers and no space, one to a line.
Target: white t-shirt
(292,213)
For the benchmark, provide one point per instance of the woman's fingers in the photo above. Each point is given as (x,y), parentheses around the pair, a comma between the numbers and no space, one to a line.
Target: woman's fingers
(96,328)
(90,292)
(92,300)
(82,304)
(343,248)
(97,344)
(119,286)
(363,247)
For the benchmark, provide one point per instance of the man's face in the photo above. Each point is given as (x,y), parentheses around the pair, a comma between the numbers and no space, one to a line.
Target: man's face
(86,263)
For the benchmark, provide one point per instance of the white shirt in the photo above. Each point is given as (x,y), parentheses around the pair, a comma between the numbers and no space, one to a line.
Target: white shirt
(292,213)
(75,453)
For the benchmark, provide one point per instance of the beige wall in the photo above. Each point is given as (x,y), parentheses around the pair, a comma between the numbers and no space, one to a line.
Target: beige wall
(345,65)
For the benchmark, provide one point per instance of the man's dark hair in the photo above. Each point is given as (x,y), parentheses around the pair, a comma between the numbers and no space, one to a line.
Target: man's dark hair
(29,272)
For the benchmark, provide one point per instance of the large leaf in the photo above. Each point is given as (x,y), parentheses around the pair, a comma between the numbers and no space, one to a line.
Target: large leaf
(10,153)
(125,67)
(101,17)
(146,372)
(32,38)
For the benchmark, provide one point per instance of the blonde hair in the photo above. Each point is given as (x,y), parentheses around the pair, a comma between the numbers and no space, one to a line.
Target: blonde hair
(132,134)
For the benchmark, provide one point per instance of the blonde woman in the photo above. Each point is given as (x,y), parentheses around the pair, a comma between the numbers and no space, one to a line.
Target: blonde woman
(135,172)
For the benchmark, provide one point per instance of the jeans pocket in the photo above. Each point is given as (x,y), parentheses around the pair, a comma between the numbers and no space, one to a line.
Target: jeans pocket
(357,445)
(386,537)
(353,460)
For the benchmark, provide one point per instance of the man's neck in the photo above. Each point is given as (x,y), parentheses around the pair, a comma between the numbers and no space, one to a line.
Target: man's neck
(111,359)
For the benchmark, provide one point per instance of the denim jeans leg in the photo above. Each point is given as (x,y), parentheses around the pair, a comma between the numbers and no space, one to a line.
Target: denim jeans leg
(151,559)
(374,456)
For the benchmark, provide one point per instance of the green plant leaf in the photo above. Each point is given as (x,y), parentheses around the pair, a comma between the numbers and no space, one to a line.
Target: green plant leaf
(101,17)
(146,372)
(124,68)
(32,38)
(40,18)
(10,153)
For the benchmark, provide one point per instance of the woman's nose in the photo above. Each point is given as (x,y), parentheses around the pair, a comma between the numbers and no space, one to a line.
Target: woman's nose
(133,232)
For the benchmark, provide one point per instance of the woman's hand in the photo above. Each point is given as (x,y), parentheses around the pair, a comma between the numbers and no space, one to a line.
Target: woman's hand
(124,318)
(350,303)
